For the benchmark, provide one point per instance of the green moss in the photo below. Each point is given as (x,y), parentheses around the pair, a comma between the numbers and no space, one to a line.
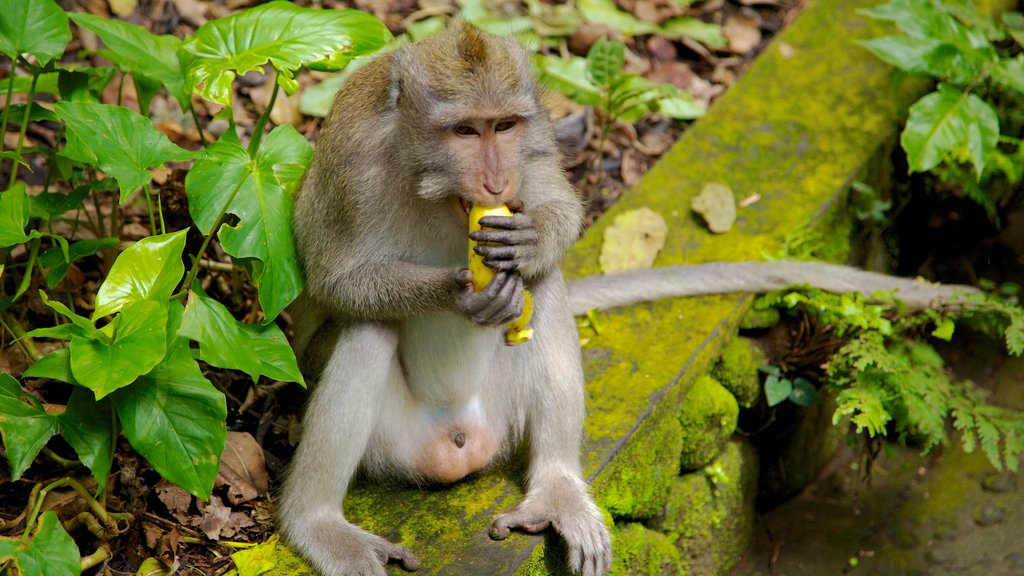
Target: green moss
(640,551)
(710,514)
(737,371)
(760,319)
(708,418)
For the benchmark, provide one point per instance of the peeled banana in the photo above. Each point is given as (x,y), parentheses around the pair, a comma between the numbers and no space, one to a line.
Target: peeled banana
(517,331)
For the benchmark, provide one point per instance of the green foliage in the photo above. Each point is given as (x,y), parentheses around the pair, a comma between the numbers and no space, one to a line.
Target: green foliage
(131,365)
(981,83)
(777,388)
(889,383)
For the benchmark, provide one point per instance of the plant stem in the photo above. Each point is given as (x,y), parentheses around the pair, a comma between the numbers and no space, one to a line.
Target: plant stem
(65,463)
(24,126)
(257,133)
(26,279)
(95,559)
(206,242)
(149,208)
(100,224)
(199,127)
(95,506)
(7,103)
(120,89)
(28,345)
(228,543)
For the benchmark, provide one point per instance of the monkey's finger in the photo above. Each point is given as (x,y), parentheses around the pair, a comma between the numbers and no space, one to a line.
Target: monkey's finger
(501,310)
(515,205)
(515,222)
(400,555)
(464,278)
(523,237)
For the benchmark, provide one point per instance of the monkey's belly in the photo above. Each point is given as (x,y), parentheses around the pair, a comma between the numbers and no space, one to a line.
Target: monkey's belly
(452,450)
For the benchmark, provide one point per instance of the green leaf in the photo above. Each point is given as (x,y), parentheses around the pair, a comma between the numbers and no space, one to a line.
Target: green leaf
(568,76)
(38,27)
(55,365)
(150,269)
(51,205)
(283,34)
(706,33)
(777,389)
(140,53)
(54,261)
(50,552)
(607,13)
(24,424)
(174,417)
(804,393)
(125,144)
(140,343)
(681,107)
(90,427)
(80,325)
(257,192)
(1009,74)
(1014,22)
(227,343)
(944,331)
(911,54)
(605,62)
(14,210)
(946,120)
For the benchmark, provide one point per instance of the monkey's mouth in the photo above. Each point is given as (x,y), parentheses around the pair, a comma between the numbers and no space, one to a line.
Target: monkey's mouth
(462,208)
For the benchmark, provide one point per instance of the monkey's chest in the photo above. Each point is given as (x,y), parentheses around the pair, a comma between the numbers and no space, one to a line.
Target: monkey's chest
(446,359)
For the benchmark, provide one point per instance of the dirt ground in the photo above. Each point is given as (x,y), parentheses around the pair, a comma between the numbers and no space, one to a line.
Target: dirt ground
(942,514)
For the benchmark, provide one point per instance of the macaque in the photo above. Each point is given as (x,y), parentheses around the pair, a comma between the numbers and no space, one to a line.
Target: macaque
(413,378)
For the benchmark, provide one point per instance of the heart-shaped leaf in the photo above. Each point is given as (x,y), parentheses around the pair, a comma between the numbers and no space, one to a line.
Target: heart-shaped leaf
(139,344)
(38,27)
(254,192)
(777,389)
(55,261)
(140,53)
(175,418)
(283,34)
(227,343)
(51,550)
(25,425)
(150,269)
(124,143)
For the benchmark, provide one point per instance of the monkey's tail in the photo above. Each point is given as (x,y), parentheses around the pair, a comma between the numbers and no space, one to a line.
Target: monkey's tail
(623,289)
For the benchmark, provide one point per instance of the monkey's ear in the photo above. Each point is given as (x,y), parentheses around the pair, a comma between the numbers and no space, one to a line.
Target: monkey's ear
(469,41)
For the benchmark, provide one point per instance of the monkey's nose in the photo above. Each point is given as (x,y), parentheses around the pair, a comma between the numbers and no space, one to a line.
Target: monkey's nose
(494,188)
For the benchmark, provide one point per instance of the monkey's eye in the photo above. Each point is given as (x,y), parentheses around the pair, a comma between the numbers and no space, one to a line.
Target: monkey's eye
(465,130)
(505,125)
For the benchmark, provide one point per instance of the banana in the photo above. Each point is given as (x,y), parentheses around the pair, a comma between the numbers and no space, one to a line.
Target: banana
(517,331)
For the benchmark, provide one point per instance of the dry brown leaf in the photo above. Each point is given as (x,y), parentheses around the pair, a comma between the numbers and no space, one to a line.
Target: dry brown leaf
(192,10)
(743,32)
(215,517)
(662,48)
(717,205)
(245,457)
(123,8)
(587,34)
(177,500)
(654,143)
(679,74)
(633,241)
(632,167)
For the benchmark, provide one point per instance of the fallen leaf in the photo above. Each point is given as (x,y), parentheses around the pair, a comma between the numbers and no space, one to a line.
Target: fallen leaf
(123,7)
(258,560)
(633,241)
(215,517)
(717,205)
(192,10)
(632,167)
(177,500)
(245,457)
(654,143)
(743,32)
(679,74)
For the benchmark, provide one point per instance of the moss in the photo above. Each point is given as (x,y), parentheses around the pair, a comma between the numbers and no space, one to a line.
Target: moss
(737,370)
(708,417)
(760,319)
(710,514)
(640,551)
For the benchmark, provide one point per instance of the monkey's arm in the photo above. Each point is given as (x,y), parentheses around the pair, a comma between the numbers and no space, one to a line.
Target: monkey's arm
(637,286)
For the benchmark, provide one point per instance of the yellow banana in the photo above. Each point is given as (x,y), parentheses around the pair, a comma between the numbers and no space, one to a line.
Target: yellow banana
(517,331)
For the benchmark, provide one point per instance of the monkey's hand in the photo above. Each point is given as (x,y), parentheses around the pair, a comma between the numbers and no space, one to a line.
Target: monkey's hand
(569,511)
(507,242)
(500,302)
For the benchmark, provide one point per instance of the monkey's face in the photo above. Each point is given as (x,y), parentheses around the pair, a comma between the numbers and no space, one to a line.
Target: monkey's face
(487,153)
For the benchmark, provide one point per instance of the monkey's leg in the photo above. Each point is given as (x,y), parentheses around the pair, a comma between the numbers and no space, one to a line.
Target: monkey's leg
(549,369)
(339,421)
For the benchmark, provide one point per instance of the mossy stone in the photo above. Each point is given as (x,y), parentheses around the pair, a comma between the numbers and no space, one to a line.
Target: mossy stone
(640,551)
(737,370)
(708,418)
(760,319)
(710,513)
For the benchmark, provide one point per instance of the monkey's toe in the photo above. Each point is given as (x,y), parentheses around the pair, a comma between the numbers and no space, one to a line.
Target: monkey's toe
(504,524)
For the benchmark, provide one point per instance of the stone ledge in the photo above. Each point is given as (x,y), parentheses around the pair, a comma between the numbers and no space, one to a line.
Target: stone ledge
(797,129)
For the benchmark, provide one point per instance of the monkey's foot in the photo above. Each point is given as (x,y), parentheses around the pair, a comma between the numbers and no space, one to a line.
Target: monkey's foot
(337,547)
(571,513)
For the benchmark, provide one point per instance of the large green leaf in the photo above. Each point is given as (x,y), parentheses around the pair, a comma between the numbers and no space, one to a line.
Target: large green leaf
(227,343)
(25,425)
(79,326)
(124,143)
(55,365)
(50,552)
(257,192)
(175,418)
(948,120)
(283,34)
(568,76)
(38,27)
(605,61)
(150,269)
(1009,74)
(14,210)
(607,13)
(57,265)
(708,34)
(139,344)
(140,53)
(90,427)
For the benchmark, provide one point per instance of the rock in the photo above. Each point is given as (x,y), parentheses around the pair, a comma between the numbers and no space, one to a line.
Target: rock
(642,551)
(760,319)
(717,205)
(737,370)
(939,556)
(708,418)
(998,483)
(1014,561)
(989,515)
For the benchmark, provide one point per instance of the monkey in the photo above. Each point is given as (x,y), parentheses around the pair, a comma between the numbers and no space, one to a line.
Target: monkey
(412,376)
(413,379)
